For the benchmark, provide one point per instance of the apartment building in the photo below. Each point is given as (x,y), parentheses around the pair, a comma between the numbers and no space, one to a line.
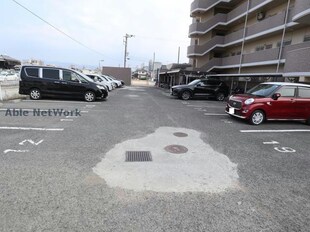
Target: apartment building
(251,38)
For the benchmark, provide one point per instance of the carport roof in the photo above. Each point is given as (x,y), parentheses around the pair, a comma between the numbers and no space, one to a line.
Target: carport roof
(8,58)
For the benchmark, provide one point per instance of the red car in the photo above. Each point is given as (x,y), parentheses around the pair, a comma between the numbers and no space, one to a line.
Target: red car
(272,101)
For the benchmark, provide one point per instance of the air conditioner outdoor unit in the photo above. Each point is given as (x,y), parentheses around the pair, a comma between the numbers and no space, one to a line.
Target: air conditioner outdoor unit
(260,15)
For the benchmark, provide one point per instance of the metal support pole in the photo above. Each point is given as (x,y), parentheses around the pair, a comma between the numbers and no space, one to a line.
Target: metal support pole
(125,43)
(283,35)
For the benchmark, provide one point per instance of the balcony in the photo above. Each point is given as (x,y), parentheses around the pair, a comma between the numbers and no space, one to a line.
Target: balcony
(257,3)
(233,37)
(211,64)
(271,23)
(237,12)
(200,50)
(302,11)
(204,5)
(224,19)
(261,56)
(202,28)
(265,57)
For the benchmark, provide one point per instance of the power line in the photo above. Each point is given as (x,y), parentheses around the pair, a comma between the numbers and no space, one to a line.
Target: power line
(57,29)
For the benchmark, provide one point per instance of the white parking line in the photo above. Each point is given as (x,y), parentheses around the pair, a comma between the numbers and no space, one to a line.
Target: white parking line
(196,106)
(31,128)
(47,101)
(72,116)
(273,131)
(84,111)
(214,114)
(66,120)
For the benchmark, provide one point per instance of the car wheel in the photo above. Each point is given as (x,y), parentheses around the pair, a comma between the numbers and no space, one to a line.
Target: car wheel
(220,96)
(89,96)
(186,95)
(257,117)
(35,94)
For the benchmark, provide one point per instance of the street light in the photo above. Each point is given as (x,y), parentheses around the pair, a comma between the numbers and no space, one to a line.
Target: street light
(125,42)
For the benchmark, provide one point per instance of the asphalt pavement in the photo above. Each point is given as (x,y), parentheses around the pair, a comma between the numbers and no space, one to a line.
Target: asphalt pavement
(67,172)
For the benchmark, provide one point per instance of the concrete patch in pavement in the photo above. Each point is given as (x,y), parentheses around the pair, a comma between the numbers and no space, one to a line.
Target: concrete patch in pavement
(200,169)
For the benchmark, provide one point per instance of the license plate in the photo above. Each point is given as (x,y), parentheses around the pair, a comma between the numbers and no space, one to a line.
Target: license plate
(231,110)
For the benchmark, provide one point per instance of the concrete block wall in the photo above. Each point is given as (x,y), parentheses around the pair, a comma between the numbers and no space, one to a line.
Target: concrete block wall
(9,91)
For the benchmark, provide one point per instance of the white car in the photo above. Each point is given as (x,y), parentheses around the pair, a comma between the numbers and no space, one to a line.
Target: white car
(117,83)
(109,80)
(8,75)
(99,78)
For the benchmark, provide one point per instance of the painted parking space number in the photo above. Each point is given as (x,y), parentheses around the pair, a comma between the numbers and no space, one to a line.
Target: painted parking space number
(280,149)
(285,149)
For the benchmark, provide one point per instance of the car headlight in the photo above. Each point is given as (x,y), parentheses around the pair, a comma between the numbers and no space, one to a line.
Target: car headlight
(249,101)
(100,87)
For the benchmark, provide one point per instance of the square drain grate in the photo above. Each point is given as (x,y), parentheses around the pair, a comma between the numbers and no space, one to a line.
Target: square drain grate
(138,156)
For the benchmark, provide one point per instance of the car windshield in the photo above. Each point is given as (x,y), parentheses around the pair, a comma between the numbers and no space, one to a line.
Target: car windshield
(194,82)
(263,90)
(105,78)
(85,77)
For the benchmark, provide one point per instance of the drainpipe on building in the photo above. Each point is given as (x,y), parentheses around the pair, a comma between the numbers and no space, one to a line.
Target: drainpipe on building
(243,42)
(283,35)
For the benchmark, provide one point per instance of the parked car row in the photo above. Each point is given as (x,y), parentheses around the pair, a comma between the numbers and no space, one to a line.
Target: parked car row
(40,81)
(266,101)
(108,81)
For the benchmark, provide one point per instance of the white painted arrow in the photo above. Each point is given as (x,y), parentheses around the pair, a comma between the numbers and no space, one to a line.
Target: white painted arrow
(30,141)
(272,142)
(17,151)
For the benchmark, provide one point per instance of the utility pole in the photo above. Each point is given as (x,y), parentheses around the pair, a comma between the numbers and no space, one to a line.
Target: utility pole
(125,43)
(179,55)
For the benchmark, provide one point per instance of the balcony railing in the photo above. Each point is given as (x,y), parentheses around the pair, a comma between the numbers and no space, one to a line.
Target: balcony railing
(200,50)
(247,59)
(202,28)
(235,36)
(297,60)
(222,19)
(266,24)
(211,63)
(237,11)
(204,5)
(302,11)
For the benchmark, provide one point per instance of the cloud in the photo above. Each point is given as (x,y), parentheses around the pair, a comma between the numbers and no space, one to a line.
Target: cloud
(159,26)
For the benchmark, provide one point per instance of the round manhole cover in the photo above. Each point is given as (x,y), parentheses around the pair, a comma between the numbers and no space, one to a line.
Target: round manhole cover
(180,134)
(176,149)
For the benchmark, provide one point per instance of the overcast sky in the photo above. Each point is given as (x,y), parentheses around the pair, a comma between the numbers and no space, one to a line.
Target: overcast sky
(159,26)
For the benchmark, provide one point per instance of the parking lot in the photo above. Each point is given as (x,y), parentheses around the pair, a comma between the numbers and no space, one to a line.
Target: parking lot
(67,172)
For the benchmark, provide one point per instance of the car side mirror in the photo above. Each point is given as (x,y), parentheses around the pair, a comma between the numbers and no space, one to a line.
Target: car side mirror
(275,96)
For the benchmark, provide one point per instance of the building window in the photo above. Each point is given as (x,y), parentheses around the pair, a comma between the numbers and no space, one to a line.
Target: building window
(196,41)
(307,38)
(285,43)
(268,46)
(197,20)
(259,48)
